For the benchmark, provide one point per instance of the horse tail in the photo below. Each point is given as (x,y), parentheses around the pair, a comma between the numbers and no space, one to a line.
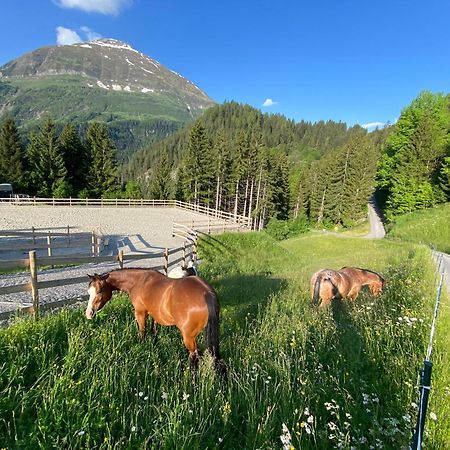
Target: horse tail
(316,294)
(212,332)
(212,326)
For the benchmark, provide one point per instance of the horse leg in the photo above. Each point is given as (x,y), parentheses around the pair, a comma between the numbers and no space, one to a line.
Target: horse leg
(191,345)
(154,328)
(141,319)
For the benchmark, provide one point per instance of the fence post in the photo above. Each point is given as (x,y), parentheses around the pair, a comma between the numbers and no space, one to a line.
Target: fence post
(209,225)
(93,243)
(120,259)
(166,261)
(34,285)
(97,244)
(49,244)
(70,201)
(194,251)
(53,201)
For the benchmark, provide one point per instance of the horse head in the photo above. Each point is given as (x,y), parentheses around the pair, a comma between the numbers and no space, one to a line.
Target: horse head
(377,286)
(100,292)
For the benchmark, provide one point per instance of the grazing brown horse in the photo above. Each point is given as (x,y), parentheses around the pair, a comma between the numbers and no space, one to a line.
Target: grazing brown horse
(327,284)
(189,303)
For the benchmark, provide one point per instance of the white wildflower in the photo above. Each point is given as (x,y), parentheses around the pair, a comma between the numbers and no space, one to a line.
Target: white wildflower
(285,437)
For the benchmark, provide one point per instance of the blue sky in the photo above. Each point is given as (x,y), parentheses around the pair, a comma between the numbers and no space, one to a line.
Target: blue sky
(350,60)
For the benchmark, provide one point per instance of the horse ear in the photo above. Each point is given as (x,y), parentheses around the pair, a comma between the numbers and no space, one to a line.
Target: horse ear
(103,277)
(91,277)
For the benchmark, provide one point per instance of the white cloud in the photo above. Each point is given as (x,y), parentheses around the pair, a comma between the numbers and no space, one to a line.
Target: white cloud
(91,35)
(66,36)
(373,125)
(269,102)
(108,7)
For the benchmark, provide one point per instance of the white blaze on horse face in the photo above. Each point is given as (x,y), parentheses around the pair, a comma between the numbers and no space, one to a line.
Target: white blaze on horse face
(92,293)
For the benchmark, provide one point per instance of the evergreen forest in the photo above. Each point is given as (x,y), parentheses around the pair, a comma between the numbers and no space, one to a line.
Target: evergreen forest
(240,160)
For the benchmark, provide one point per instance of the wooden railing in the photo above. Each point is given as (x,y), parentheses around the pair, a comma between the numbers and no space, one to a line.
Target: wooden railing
(189,229)
(52,238)
(33,262)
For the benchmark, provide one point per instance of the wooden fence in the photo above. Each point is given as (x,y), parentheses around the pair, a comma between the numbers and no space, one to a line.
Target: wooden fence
(189,229)
(52,238)
(243,221)
(33,262)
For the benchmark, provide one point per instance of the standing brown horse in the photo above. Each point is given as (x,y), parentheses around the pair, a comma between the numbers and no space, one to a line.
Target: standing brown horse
(327,284)
(189,303)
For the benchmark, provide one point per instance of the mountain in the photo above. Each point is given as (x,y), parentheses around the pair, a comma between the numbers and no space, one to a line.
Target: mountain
(104,80)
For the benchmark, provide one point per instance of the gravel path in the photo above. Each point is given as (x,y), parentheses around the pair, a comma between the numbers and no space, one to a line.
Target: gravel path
(136,230)
(376,225)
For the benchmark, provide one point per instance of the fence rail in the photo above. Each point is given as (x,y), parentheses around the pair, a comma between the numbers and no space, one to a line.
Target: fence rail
(33,286)
(51,238)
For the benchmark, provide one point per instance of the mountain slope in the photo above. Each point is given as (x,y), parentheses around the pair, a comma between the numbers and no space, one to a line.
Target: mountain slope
(106,80)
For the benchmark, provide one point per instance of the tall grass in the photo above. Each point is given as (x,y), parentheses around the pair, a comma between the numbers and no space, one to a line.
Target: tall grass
(427,226)
(340,378)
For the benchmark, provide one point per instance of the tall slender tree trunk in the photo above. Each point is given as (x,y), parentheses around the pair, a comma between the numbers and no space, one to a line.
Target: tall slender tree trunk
(217,194)
(250,202)
(236,200)
(321,209)
(245,201)
(262,216)
(257,196)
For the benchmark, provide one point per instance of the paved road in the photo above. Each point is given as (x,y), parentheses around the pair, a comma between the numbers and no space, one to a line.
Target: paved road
(445,267)
(376,225)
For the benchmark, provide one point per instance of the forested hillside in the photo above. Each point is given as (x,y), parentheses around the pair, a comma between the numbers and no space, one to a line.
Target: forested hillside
(243,161)
(264,166)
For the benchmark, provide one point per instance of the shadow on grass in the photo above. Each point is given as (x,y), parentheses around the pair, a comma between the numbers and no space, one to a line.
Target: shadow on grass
(242,297)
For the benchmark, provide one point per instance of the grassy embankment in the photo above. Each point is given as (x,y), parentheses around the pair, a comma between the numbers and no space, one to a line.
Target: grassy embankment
(343,378)
(427,226)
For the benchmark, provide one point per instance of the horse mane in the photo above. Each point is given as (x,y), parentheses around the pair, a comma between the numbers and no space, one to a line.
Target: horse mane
(127,268)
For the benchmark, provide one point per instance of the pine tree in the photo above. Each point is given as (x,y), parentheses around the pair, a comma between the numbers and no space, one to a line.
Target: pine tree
(102,170)
(11,155)
(161,187)
(75,158)
(47,171)
(197,175)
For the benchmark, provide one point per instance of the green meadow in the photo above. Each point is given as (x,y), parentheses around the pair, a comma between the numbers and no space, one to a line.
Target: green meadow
(427,226)
(298,378)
